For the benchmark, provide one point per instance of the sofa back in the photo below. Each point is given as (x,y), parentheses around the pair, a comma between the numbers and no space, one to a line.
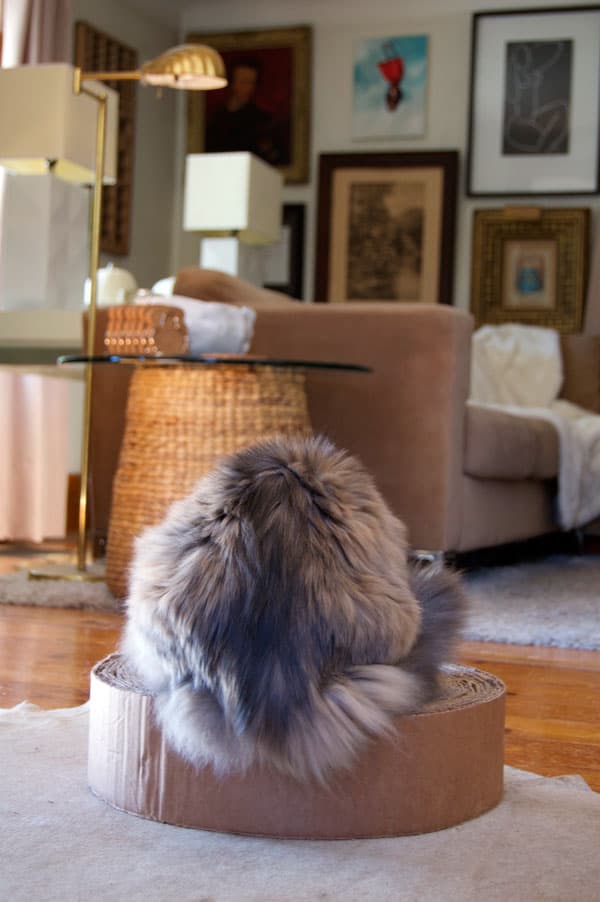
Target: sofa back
(404,419)
(581,369)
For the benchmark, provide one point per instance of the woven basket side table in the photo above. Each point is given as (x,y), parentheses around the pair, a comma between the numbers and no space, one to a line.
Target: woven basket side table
(180,420)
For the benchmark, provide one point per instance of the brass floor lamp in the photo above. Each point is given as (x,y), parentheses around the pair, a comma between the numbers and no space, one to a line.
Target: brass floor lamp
(186,67)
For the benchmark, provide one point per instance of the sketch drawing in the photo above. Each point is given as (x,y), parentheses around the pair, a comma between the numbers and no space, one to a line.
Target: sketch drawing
(537,97)
(385,241)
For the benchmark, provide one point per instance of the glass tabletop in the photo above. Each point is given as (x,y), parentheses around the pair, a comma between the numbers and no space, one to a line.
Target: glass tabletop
(211,359)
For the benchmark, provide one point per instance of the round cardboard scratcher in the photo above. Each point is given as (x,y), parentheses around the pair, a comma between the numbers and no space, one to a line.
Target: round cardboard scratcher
(443,766)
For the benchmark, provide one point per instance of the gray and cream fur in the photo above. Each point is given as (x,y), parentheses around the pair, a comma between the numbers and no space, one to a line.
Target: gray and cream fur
(275,616)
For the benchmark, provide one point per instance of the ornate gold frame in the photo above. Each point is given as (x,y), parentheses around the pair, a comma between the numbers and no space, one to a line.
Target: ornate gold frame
(300,41)
(558,239)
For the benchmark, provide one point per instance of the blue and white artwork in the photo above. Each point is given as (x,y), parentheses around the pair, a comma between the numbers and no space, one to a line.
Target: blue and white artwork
(390,87)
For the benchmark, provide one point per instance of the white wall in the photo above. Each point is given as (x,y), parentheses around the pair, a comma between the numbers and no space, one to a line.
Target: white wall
(152,220)
(336,24)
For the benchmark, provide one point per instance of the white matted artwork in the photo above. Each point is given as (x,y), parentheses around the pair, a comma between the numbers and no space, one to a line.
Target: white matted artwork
(535,101)
(390,87)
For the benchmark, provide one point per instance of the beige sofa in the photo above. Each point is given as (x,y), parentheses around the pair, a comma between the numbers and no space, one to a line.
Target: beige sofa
(461,479)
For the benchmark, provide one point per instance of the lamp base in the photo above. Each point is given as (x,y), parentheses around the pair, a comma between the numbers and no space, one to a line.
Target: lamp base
(93,573)
(230,255)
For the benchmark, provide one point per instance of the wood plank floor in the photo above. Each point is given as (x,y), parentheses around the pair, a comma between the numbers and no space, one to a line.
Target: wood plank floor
(553,702)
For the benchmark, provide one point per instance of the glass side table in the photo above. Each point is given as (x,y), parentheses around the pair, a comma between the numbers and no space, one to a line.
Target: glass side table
(183,414)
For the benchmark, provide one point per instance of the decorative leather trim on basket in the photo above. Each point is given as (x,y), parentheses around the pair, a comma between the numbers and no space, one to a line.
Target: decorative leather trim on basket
(153,329)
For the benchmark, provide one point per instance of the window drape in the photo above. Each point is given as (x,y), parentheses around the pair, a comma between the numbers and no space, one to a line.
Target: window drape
(34,409)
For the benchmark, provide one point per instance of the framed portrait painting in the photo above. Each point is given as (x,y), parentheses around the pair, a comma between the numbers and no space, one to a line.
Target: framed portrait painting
(530,265)
(385,227)
(390,87)
(265,108)
(535,102)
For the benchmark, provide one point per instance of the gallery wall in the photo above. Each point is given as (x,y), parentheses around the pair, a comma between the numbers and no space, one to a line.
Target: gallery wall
(336,25)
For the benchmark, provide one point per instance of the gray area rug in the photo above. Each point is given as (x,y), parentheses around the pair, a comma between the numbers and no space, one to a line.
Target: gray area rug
(552,602)
(61,843)
(17,588)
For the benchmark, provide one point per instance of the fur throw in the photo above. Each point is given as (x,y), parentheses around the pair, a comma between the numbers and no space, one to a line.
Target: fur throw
(275,616)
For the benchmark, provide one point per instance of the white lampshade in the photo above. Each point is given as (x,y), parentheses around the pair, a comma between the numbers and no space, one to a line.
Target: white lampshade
(44,120)
(233,192)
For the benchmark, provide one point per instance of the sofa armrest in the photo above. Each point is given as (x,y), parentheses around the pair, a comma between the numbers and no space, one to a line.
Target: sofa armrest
(406,419)
(211,285)
(581,370)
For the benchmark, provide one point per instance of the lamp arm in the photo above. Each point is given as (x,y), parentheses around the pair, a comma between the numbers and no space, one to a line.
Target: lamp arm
(134,75)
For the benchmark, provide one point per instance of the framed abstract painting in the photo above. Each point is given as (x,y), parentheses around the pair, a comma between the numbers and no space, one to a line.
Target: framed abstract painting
(390,87)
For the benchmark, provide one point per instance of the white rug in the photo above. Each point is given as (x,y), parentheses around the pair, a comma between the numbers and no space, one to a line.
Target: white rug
(551,602)
(61,844)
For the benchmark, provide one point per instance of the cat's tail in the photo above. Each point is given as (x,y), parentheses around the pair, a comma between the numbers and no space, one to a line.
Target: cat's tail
(353,708)
(363,702)
(443,605)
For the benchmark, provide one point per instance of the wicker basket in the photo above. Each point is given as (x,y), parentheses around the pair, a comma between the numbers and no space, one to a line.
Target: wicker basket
(180,420)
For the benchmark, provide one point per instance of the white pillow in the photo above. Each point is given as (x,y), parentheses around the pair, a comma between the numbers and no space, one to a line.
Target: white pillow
(516,364)
(214,328)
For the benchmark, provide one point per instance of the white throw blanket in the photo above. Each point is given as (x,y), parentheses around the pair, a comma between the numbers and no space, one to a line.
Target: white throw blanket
(518,369)
(214,328)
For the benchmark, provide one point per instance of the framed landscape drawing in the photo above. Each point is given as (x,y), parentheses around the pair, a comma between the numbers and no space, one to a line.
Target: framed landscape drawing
(390,87)
(265,107)
(535,102)
(530,265)
(385,227)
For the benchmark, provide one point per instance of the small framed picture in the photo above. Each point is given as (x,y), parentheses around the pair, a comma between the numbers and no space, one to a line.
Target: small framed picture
(265,108)
(390,87)
(284,261)
(530,265)
(535,102)
(385,227)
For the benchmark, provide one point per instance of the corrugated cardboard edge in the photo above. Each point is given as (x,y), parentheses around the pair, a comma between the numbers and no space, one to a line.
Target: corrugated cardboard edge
(443,767)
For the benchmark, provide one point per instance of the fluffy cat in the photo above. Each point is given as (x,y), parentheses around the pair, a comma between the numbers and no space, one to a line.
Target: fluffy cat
(274,613)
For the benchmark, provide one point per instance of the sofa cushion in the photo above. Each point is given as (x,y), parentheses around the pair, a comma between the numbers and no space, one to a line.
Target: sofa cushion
(501,445)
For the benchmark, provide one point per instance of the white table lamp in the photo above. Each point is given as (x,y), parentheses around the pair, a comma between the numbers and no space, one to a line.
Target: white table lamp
(48,127)
(238,195)
(52,139)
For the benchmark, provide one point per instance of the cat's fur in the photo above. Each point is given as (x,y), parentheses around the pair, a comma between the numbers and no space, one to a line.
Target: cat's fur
(274,614)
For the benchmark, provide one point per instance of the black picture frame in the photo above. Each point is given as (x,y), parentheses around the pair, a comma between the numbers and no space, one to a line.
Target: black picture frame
(435,174)
(534,117)
(292,247)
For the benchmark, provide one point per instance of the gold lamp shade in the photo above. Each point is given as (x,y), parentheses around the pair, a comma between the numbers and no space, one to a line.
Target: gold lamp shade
(187,67)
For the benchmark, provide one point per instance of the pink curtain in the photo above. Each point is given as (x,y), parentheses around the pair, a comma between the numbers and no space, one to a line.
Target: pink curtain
(34,410)
(36,31)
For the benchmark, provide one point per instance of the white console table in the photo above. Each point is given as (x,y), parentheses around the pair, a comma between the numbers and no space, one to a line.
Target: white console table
(37,337)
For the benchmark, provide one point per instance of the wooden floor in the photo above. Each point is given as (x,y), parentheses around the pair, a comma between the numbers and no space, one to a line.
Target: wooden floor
(553,702)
